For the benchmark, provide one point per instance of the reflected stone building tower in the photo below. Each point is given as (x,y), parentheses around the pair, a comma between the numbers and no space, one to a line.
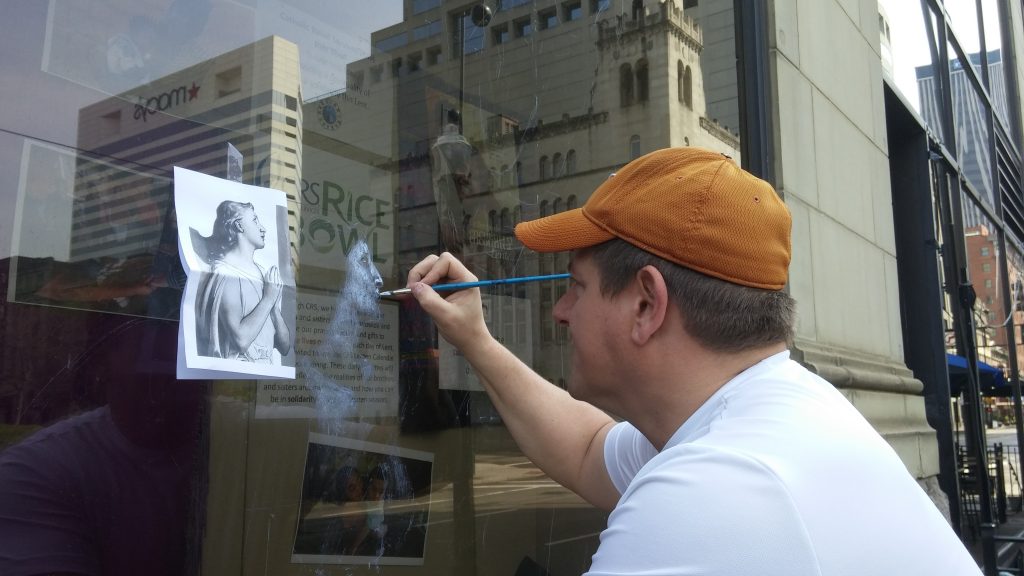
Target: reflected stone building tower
(483,138)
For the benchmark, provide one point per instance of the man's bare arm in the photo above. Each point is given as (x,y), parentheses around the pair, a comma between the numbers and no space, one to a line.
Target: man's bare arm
(563,436)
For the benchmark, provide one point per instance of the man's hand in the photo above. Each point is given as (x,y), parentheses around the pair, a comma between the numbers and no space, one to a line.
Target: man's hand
(459,317)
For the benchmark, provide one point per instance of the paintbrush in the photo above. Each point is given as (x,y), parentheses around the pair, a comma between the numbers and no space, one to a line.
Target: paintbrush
(480,283)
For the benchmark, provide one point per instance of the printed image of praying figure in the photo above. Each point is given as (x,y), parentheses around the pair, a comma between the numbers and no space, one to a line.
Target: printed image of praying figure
(238,306)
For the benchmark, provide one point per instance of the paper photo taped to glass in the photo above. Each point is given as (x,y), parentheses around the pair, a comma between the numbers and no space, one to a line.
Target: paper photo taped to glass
(363,503)
(238,309)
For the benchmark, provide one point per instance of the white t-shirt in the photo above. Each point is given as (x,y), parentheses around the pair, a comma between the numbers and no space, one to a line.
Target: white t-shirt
(777,474)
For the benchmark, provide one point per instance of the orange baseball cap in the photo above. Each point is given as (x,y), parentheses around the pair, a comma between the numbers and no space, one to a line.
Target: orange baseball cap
(690,206)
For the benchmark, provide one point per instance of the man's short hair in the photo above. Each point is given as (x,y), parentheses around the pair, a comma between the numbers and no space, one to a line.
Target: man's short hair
(722,316)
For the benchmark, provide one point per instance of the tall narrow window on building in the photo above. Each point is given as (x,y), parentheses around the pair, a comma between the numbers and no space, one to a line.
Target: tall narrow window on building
(506,176)
(634,147)
(688,88)
(570,202)
(642,85)
(638,10)
(625,85)
(542,168)
(517,174)
(544,211)
(679,80)
(556,206)
(557,166)
(506,222)
(570,163)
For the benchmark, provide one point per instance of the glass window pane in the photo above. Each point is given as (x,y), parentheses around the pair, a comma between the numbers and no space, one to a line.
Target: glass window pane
(993,317)
(970,119)
(1015,308)
(994,43)
(384,144)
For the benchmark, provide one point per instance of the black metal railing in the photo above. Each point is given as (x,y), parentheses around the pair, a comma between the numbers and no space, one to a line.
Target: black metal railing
(1004,468)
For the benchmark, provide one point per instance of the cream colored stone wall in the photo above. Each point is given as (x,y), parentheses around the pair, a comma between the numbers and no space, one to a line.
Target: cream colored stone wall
(832,167)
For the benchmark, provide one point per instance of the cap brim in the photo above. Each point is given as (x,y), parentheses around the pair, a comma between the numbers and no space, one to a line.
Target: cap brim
(569,230)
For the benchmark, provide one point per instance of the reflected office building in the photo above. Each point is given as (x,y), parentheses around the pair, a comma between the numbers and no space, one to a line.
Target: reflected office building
(972,133)
(114,245)
(129,144)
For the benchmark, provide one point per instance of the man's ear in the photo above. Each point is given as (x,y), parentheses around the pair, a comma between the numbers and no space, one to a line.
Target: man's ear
(650,304)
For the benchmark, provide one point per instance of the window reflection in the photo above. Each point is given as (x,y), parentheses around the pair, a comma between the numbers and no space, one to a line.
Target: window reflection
(994,316)
(970,119)
(393,135)
(121,485)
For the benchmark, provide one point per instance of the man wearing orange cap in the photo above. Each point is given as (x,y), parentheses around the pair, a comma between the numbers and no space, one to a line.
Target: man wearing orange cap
(724,456)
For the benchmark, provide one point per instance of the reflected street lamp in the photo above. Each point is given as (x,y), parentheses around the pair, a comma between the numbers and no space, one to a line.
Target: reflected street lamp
(451,154)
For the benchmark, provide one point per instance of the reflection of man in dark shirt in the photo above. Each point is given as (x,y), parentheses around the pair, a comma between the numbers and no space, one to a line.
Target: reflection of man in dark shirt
(110,491)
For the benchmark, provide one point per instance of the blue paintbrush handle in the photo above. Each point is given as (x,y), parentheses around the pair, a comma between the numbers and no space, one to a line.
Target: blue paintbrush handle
(480,283)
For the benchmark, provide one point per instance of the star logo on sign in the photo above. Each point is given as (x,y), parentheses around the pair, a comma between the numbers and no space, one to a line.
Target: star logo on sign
(193,92)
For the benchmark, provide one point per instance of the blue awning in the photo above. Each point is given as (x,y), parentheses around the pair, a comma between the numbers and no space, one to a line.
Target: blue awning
(993,382)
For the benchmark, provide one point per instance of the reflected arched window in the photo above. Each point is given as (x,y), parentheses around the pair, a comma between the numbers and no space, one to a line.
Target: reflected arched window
(570,203)
(634,147)
(625,85)
(544,211)
(557,168)
(492,221)
(679,80)
(688,88)
(570,162)
(642,88)
(556,206)
(506,176)
(506,223)
(517,175)
(543,168)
